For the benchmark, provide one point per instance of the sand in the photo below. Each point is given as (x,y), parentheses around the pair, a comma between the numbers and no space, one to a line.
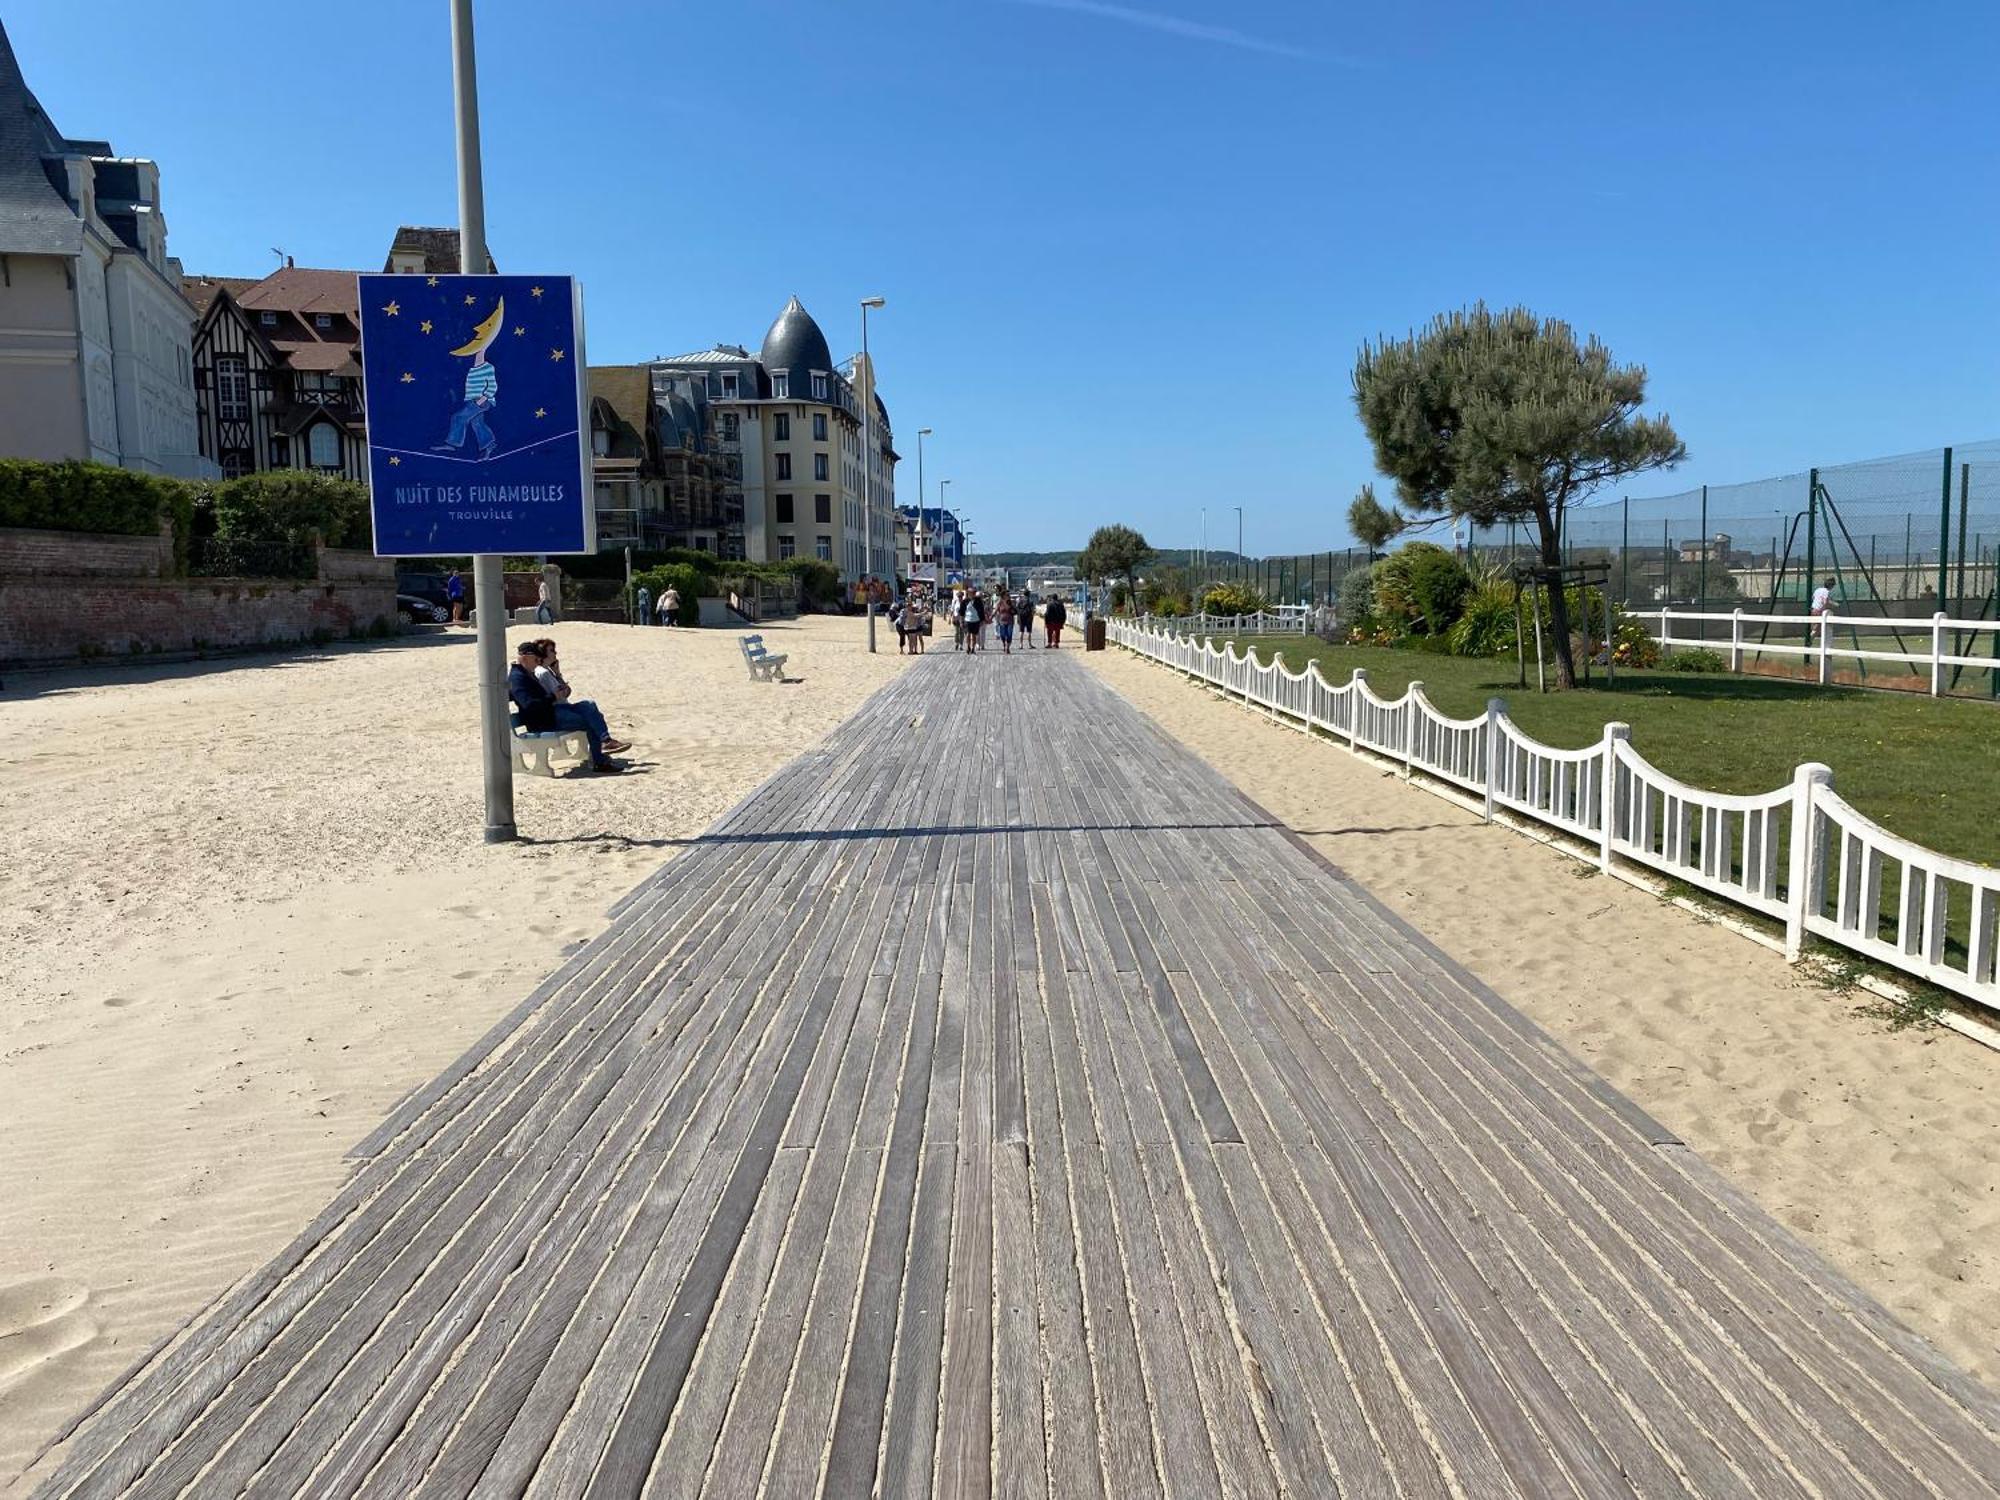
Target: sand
(1875,1146)
(249,909)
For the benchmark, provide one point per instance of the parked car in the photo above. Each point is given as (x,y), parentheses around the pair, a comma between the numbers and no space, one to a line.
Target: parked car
(426,586)
(417,610)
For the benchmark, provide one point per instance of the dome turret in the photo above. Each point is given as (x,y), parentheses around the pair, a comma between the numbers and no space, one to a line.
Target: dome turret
(795,343)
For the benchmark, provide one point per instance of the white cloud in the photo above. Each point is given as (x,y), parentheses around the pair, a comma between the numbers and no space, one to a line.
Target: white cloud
(1152,20)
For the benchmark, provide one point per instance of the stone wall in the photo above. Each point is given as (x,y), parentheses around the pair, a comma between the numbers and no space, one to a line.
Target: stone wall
(66,596)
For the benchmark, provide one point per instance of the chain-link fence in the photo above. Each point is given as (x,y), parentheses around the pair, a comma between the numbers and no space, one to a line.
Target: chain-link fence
(1903,536)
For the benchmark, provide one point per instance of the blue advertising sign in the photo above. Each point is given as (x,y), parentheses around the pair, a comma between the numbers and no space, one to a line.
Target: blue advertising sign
(477,439)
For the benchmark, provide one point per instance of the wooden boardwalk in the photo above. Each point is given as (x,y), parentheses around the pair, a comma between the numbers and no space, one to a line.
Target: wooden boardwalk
(998,1103)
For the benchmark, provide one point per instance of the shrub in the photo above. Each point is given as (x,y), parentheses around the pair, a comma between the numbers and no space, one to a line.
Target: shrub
(1485,625)
(691,582)
(1422,587)
(1231,599)
(1697,659)
(819,581)
(1357,595)
(1632,647)
(291,505)
(93,497)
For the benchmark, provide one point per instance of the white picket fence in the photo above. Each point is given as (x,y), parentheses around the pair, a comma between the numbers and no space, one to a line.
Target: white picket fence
(1799,854)
(1926,645)
(1286,619)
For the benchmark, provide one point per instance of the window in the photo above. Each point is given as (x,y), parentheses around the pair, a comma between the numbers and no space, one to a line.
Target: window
(322,320)
(784,466)
(823,548)
(787,548)
(781,385)
(232,387)
(781,427)
(729,429)
(823,509)
(819,385)
(819,466)
(600,442)
(324,445)
(267,319)
(819,427)
(280,453)
(728,385)
(784,510)
(235,463)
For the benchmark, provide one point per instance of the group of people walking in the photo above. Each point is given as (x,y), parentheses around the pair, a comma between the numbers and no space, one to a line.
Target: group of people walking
(667,611)
(973,611)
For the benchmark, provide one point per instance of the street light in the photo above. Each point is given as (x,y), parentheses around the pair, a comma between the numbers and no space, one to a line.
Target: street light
(868,469)
(922,433)
(943,485)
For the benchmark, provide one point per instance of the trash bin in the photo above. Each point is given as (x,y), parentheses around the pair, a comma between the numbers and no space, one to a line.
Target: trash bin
(1093,633)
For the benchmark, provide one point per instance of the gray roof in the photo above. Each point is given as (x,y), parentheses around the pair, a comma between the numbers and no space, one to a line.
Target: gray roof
(795,342)
(35,219)
(721,354)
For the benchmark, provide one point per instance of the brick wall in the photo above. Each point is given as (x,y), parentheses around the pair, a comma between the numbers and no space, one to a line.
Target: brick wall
(89,597)
(26,553)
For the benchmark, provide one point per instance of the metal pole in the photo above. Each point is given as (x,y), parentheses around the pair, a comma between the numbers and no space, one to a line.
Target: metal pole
(1812,548)
(489,586)
(1964,500)
(1944,533)
(1624,553)
(1703,602)
(868,473)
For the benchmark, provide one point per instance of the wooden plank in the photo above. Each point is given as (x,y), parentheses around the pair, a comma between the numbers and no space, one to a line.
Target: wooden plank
(1020,1462)
(910,1426)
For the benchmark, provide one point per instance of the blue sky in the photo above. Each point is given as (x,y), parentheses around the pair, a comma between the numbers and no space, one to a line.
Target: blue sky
(1130,251)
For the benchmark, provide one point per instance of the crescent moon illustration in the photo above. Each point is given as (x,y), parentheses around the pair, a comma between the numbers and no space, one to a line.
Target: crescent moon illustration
(483,333)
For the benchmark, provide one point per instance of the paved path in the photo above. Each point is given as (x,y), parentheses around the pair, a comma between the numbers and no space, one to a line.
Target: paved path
(997,1102)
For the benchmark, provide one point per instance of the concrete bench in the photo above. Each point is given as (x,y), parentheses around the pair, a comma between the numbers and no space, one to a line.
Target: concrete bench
(764,665)
(532,748)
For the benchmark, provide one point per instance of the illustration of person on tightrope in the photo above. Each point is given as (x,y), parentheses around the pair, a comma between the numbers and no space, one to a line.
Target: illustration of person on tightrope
(482,389)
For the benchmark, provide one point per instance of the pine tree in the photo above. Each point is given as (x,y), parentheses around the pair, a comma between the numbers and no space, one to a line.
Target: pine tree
(1506,416)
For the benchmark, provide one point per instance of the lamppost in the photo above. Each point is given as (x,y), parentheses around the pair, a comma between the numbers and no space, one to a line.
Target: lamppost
(943,485)
(868,469)
(922,433)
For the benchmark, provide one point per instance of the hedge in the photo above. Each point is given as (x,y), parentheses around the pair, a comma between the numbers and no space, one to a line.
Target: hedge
(94,497)
(690,581)
(291,505)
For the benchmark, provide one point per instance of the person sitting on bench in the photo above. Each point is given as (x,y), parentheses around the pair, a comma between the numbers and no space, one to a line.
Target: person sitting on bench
(541,713)
(549,674)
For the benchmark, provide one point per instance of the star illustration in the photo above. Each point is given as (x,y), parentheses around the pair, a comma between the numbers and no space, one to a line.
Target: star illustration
(408,378)
(394,461)
(431,281)
(519,331)
(534,291)
(425,326)
(392,309)
(468,301)
(556,354)
(541,411)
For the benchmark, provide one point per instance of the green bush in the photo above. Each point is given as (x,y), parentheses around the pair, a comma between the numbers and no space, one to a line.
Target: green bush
(1357,595)
(1231,599)
(291,505)
(1485,623)
(92,497)
(819,581)
(690,581)
(1421,587)
(1697,659)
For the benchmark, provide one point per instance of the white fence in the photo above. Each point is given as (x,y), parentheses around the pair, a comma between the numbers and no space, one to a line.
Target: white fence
(1285,619)
(1920,646)
(1799,854)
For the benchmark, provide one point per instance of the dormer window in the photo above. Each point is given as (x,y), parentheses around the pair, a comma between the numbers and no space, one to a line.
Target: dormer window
(267,319)
(781,385)
(819,385)
(728,385)
(322,320)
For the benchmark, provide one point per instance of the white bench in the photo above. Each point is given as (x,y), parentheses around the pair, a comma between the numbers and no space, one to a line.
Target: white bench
(532,749)
(764,665)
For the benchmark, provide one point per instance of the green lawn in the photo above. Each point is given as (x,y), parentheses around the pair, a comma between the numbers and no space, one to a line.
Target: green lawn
(1927,769)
